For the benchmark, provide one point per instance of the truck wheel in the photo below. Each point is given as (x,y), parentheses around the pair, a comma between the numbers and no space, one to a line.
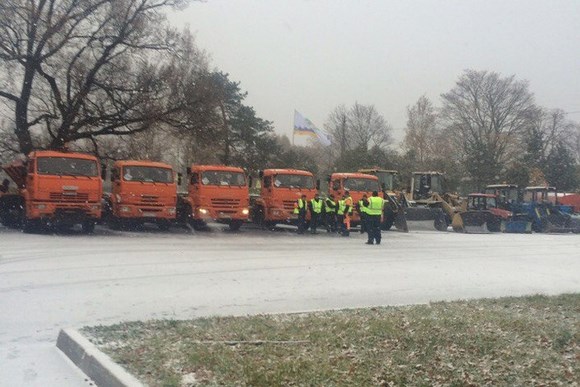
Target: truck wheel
(30,226)
(441,223)
(236,224)
(164,225)
(88,227)
(198,225)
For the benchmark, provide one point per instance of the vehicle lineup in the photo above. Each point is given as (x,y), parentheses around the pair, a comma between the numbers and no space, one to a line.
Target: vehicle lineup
(61,189)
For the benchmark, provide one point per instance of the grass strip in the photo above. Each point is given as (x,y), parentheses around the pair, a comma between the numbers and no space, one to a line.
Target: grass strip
(525,341)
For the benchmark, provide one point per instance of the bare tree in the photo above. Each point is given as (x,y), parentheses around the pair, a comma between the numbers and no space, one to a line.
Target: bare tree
(337,126)
(486,114)
(421,132)
(82,69)
(367,127)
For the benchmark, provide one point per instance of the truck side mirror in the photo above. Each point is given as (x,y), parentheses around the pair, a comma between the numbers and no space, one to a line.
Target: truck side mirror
(318,184)
(179,178)
(103,171)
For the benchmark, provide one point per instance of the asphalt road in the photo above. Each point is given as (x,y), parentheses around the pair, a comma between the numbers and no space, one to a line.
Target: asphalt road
(48,282)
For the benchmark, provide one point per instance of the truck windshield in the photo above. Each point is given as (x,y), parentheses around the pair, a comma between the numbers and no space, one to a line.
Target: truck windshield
(66,166)
(147,174)
(293,181)
(223,178)
(361,184)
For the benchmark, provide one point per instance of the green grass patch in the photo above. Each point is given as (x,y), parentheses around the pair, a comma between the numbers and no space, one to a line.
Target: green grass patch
(527,341)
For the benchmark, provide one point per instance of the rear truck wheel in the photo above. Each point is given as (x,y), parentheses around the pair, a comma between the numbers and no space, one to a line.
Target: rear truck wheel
(88,226)
(235,224)
(31,226)
(12,210)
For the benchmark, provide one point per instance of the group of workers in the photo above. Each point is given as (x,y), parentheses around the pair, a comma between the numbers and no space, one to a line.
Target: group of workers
(336,214)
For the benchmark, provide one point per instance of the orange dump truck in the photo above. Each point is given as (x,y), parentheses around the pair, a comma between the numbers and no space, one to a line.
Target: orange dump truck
(141,192)
(215,193)
(279,190)
(357,184)
(54,189)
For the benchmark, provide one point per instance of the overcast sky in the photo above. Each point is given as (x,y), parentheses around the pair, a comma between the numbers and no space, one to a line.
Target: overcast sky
(314,55)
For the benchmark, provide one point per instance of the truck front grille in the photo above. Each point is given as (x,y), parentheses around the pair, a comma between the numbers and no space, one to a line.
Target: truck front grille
(69,197)
(224,204)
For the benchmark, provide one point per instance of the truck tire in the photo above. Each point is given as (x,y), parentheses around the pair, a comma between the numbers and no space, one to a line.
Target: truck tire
(30,226)
(88,227)
(235,224)
(163,225)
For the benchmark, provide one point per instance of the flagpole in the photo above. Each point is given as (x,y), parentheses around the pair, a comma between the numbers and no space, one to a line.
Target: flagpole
(294,127)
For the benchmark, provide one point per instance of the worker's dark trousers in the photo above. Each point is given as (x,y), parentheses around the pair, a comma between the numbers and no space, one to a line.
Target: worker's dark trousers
(301,222)
(363,222)
(330,219)
(374,228)
(314,221)
(340,224)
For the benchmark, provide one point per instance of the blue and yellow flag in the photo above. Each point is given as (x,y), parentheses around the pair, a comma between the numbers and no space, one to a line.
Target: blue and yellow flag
(304,127)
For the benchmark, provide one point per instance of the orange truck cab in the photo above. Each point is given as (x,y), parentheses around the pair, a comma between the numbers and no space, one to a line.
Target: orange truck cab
(215,193)
(141,192)
(357,184)
(54,188)
(279,191)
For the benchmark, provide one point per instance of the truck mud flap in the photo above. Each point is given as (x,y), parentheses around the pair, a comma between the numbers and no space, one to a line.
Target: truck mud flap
(425,218)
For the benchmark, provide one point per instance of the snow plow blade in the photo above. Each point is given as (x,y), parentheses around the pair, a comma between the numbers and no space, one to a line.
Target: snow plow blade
(517,225)
(425,218)
(473,222)
(561,223)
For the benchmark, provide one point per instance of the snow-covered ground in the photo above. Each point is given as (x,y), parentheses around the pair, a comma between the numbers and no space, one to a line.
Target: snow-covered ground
(48,282)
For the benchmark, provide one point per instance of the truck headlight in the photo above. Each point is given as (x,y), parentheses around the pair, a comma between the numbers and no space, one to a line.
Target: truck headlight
(125,209)
(203,211)
(245,211)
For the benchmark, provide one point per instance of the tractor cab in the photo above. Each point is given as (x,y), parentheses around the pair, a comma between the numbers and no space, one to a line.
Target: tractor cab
(425,184)
(481,202)
(387,177)
(506,194)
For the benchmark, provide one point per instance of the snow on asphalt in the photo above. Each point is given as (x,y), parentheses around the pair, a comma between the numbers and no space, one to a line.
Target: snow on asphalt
(48,282)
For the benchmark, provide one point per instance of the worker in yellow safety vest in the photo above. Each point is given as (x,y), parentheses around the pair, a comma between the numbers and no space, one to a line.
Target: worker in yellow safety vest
(362,211)
(316,205)
(330,210)
(347,213)
(374,213)
(300,207)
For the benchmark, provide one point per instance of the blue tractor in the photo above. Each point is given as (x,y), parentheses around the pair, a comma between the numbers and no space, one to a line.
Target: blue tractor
(546,213)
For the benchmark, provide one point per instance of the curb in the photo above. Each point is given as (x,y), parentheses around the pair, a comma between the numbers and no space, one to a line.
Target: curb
(94,363)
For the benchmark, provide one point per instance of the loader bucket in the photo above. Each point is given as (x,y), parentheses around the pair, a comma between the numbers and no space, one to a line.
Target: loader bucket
(474,222)
(394,214)
(426,218)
